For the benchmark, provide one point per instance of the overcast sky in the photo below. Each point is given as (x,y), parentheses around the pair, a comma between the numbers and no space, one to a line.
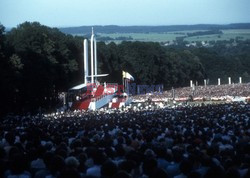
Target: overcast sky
(61,13)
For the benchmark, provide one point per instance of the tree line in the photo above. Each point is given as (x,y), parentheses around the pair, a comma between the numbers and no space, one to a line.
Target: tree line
(38,62)
(209,32)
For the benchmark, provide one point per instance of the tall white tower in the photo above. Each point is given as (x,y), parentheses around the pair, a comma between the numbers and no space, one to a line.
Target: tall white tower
(93,63)
(92,55)
(86,66)
(95,46)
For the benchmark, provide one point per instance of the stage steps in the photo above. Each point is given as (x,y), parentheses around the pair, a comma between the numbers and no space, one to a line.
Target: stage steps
(82,105)
(85,104)
(99,91)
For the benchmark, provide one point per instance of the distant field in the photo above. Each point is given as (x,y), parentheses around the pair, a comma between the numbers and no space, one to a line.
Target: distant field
(170,36)
(227,35)
(156,37)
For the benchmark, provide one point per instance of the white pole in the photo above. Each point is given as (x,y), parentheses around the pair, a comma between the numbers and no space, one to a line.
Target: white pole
(240,80)
(205,82)
(191,83)
(86,71)
(92,57)
(95,56)
(123,82)
(127,87)
(218,81)
(64,98)
(229,80)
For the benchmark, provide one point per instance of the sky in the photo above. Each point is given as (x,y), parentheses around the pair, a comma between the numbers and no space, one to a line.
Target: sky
(65,13)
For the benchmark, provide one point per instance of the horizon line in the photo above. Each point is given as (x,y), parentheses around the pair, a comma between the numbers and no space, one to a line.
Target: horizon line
(74,26)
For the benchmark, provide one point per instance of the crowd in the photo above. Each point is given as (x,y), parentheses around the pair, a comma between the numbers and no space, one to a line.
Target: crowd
(206,92)
(222,90)
(204,141)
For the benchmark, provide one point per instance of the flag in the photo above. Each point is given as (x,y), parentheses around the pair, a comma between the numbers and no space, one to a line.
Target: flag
(123,74)
(127,76)
(130,77)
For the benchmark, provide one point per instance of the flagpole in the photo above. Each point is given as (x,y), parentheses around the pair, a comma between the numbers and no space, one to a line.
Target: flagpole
(123,87)
(127,87)
(123,84)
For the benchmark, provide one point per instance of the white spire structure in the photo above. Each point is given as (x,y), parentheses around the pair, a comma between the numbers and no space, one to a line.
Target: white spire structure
(92,55)
(95,56)
(86,70)
(93,63)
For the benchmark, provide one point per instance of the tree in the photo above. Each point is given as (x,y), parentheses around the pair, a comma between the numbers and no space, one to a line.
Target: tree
(45,61)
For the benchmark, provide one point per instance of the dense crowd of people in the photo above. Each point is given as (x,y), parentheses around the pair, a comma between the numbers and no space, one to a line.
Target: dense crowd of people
(206,92)
(205,141)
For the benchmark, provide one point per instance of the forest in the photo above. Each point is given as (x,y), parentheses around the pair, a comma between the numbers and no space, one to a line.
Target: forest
(37,62)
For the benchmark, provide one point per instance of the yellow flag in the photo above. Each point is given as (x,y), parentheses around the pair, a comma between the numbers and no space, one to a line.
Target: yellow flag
(127,76)
(123,74)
